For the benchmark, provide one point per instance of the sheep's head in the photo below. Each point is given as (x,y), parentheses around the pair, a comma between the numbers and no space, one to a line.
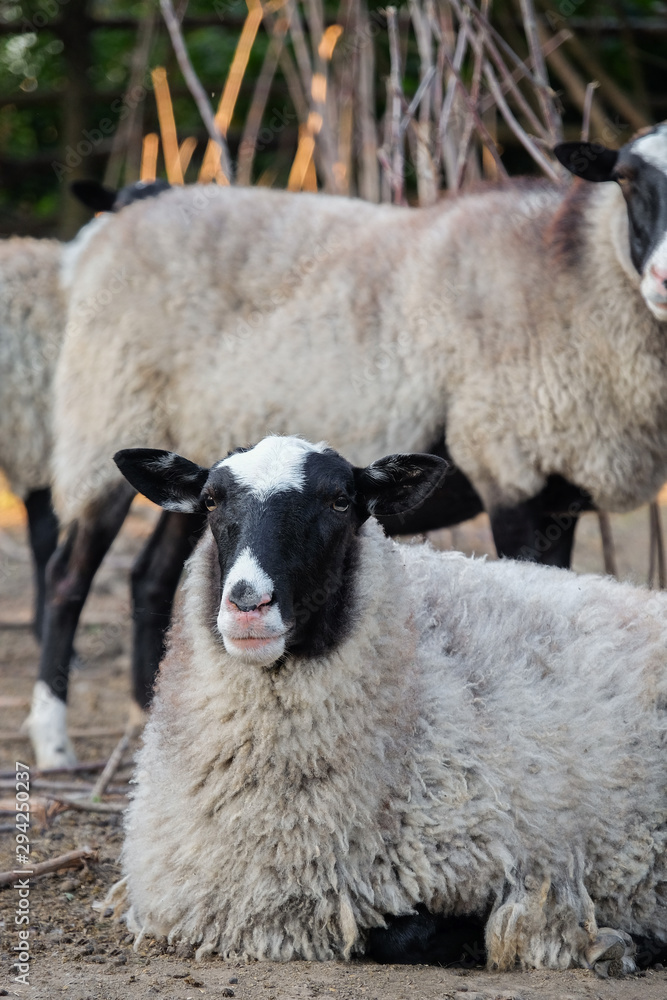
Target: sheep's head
(285,516)
(640,169)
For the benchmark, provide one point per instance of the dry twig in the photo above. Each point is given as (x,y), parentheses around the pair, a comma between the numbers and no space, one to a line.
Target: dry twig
(394,152)
(127,143)
(111,767)
(608,548)
(544,91)
(87,805)
(194,86)
(656,547)
(526,141)
(73,859)
(481,127)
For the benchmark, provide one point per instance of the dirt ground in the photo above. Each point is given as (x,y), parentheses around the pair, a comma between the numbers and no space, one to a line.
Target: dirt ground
(79,953)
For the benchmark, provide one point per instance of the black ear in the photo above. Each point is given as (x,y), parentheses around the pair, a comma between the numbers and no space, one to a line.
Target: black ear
(164,477)
(94,195)
(589,160)
(139,191)
(398,483)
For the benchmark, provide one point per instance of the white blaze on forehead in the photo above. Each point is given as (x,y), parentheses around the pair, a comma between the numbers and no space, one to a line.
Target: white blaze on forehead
(272,466)
(653,148)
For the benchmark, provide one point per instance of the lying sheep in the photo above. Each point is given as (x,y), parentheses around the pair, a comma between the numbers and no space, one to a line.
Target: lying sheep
(345,729)
(519,330)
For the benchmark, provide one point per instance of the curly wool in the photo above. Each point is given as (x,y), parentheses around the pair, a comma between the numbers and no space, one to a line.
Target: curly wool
(489,734)
(32,327)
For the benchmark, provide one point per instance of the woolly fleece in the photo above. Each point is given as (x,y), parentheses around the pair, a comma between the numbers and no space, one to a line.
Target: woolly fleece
(491,733)
(32,325)
(245,311)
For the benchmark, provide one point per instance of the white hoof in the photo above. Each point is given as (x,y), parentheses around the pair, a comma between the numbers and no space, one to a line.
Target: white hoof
(47,727)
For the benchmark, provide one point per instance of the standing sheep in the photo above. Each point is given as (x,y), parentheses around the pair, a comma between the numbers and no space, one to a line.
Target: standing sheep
(345,729)
(34,278)
(32,325)
(519,330)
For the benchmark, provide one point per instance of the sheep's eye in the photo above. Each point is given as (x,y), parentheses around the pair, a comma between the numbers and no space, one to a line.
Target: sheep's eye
(625,180)
(340,503)
(210,502)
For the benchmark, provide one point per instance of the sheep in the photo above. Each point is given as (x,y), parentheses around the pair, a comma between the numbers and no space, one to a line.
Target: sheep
(346,729)
(542,377)
(32,327)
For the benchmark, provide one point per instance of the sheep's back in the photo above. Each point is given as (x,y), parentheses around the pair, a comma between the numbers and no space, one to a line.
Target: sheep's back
(212,316)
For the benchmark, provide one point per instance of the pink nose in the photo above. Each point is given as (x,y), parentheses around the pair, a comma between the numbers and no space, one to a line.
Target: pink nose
(659,273)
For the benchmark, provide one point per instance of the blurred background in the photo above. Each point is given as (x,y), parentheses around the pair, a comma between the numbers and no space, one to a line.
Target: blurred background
(78,91)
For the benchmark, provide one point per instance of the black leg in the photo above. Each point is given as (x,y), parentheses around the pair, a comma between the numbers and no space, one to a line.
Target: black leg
(515,530)
(558,531)
(426,939)
(155,578)
(455,501)
(525,532)
(541,529)
(43,532)
(69,576)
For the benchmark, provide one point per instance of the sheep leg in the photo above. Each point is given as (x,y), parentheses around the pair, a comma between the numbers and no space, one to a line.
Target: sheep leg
(558,531)
(43,533)
(155,577)
(526,532)
(68,578)
(454,501)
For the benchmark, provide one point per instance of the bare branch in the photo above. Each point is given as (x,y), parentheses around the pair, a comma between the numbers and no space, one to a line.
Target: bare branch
(194,85)
(608,549)
(481,127)
(657,547)
(369,187)
(73,859)
(112,766)
(588,104)
(394,93)
(253,123)
(526,141)
(544,92)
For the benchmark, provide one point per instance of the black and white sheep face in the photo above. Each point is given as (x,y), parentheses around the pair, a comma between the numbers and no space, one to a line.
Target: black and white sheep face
(285,516)
(640,168)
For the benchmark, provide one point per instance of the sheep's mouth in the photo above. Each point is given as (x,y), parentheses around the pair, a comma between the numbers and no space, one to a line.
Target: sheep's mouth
(258,650)
(253,641)
(658,306)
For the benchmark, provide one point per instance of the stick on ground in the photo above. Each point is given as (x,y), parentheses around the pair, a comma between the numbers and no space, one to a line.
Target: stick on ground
(111,767)
(73,859)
